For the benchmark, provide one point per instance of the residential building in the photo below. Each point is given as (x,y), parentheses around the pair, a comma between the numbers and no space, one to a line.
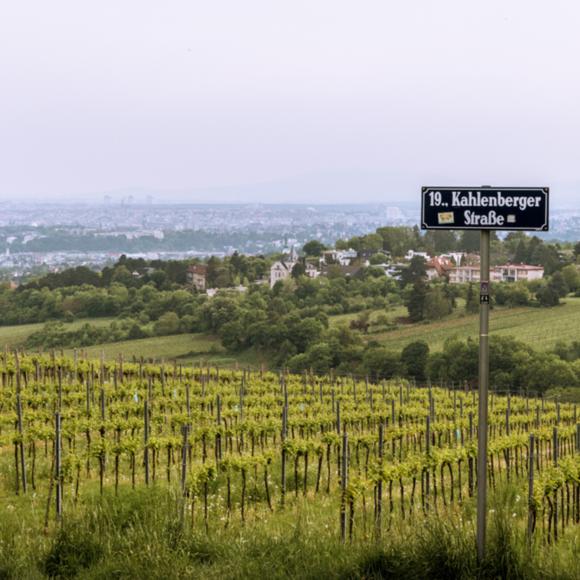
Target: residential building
(411,254)
(456,257)
(312,271)
(519,272)
(282,269)
(504,273)
(240,289)
(197,276)
(438,267)
(463,274)
(340,257)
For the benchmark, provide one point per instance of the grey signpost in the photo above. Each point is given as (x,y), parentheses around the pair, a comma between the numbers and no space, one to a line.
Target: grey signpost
(482,428)
(484,208)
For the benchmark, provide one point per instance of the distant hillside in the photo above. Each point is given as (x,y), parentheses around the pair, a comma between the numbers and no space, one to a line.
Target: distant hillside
(540,327)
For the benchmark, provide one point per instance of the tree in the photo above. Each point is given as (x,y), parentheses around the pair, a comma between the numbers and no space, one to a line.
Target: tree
(381,363)
(320,357)
(512,294)
(521,254)
(414,358)
(362,322)
(558,284)
(457,361)
(303,332)
(299,269)
(168,323)
(232,335)
(313,248)
(547,296)
(469,241)
(471,305)
(371,243)
(415,271)
(571,277)
(544,255)
(417,300)
(122,276)
(399,240)
(437,305)
(438,241)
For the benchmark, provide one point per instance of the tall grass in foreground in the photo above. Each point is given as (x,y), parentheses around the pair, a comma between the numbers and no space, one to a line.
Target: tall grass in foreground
(140,535)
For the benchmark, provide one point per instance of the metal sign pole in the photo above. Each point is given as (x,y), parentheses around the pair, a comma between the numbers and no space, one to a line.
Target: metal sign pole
(482,428)
(484,208)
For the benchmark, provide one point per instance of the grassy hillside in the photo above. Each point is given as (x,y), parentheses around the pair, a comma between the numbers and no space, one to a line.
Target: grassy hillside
(540,327)
(186,348)
(15,336)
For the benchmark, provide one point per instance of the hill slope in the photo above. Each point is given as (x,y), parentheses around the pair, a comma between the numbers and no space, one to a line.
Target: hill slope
(539,327)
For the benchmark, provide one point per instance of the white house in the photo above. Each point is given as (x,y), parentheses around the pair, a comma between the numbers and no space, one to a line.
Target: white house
(463,274)
(518,272)
(411,254)
(312,271)
(505,273)
(340,257)
(211,292)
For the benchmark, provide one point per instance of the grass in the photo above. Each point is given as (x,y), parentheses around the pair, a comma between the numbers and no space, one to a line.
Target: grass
(139,535)
(393,314)
(15,336)
(539,327)
(186,348)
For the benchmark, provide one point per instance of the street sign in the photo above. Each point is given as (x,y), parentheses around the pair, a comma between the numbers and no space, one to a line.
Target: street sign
(489,208)
(484,208)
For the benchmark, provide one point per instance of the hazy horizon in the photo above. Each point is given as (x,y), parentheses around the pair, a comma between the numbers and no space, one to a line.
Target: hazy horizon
(261,102)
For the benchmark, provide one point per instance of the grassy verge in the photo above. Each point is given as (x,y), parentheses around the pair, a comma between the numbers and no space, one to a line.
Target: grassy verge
(139,534)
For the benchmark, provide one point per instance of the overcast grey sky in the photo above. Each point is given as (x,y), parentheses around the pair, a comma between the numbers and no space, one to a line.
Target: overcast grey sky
(316,100)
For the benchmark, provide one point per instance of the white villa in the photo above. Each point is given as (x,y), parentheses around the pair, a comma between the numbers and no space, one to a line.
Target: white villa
(340,257)
(505,273)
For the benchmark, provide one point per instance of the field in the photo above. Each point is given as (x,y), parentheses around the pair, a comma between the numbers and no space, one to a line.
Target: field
(118,469)
(187,348)
(15,336)
(539,327)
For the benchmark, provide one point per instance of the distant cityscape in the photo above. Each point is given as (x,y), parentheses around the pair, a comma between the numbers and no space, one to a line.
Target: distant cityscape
(40,237)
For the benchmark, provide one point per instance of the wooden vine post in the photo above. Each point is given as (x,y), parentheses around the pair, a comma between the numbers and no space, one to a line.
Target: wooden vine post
(58,463)
(531,508)
(343,485)
(19,419)
(379,490)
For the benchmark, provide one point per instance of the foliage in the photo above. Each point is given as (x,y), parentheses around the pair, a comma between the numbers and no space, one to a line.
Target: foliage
(313,248)
(417,301)
(414,358)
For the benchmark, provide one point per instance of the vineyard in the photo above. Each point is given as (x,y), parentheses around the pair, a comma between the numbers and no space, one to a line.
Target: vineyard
(238,448)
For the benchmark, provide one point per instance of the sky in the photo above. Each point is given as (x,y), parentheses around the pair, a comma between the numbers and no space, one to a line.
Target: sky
(314,101)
